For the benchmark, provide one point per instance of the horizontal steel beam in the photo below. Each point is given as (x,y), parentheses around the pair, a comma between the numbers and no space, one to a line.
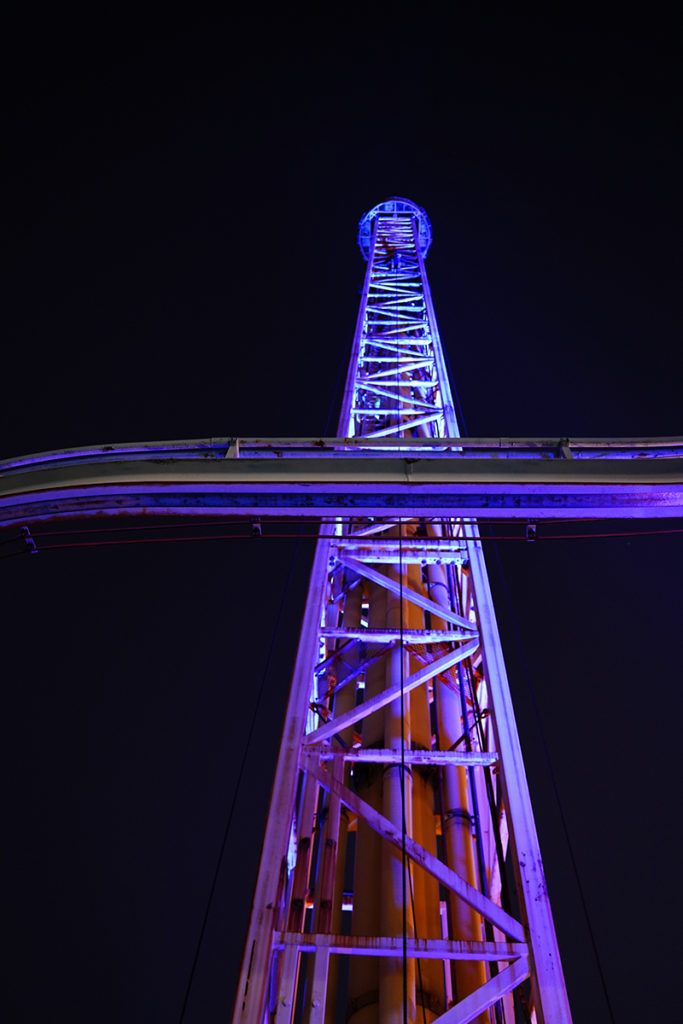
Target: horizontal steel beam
(375,755)
(417,853)
(340,486)
(365,447)
(405,593)
(370,635)
(392,693)
(423,949)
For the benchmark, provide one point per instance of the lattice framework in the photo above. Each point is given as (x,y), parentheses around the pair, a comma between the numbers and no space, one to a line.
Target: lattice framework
(400,789)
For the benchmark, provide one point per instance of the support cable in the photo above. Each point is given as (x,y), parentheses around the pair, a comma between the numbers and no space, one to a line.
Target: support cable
(240,776)
(456,605)
(179,539)
(418,961)
(494,810)
(336,389)
(119,541)
(555,788)
(460,416)
(404,858)
(402,768)
(15,554)
(12,540)
(483,882)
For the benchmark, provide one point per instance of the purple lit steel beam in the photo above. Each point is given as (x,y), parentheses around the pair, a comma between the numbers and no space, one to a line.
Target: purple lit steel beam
(342,485)
(283,447)
(377,756)
(428,949)
(471,1006)
(387,696)
(449,878)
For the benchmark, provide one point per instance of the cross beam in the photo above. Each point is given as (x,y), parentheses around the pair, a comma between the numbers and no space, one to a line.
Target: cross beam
(477,477)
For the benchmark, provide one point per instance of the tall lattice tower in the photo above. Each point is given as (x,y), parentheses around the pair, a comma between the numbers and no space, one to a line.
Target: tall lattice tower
(400,878)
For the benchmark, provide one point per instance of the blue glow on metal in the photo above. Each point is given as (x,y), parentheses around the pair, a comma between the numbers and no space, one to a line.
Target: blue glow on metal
(628,448)
(396,387)
(394,205)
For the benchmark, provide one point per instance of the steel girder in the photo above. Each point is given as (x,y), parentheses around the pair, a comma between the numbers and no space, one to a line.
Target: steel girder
(307,477)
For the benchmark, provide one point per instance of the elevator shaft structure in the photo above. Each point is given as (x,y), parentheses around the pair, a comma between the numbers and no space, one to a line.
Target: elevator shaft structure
(400,877)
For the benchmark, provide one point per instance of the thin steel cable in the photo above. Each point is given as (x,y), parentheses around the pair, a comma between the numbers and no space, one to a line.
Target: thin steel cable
(15,554)
(403,783)
(419,962)
(315,536)
(404,902)
(13,540)
(340,369)
(464,673)
(461,416)
(240,775)
(404,859)
(555,788)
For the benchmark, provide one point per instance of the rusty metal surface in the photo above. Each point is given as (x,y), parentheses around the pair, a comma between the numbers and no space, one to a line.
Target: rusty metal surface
(558,488)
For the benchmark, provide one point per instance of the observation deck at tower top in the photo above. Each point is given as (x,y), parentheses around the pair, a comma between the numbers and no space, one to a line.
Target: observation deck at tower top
(394,206)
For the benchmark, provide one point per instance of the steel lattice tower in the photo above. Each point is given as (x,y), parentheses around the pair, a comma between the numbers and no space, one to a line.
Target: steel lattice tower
(400,807)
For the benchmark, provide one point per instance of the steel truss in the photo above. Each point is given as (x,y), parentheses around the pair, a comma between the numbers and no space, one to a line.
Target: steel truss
(400,811)
(400,800)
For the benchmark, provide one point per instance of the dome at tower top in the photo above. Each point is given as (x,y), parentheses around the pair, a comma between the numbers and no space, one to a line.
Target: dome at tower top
(395,205)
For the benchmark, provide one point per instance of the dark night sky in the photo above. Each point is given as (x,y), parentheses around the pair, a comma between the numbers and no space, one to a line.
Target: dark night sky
(180,204)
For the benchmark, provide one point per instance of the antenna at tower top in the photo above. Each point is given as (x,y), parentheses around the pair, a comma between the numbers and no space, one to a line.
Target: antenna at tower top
(395,205)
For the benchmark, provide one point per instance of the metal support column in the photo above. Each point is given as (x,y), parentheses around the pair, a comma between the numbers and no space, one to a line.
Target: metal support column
(399,711)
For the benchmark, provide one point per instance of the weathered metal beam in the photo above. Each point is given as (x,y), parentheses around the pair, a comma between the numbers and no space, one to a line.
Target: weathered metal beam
(385,828)
(477,1002)
(464,758)
(396,587)
(387,635)
(314,447)
(393,692)
(343,485)
(254,975)
(391,945)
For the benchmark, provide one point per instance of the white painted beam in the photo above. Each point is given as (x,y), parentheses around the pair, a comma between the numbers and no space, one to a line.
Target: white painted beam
(461,758)
(392,945)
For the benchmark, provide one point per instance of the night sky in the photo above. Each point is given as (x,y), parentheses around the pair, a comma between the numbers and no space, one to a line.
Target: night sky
(180,205)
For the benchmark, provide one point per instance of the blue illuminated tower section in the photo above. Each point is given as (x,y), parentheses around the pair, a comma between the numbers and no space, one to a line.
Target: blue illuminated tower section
(400,816)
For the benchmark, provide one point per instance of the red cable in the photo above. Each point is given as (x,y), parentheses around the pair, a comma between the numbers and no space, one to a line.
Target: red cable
(317,536)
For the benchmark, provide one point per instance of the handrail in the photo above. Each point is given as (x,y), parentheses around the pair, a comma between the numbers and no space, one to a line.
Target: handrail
(310,447)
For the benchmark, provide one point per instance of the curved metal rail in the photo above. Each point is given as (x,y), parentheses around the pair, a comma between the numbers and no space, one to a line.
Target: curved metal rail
(526,478)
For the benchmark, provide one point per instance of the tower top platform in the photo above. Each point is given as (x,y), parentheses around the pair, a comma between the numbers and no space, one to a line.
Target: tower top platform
(393,206)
